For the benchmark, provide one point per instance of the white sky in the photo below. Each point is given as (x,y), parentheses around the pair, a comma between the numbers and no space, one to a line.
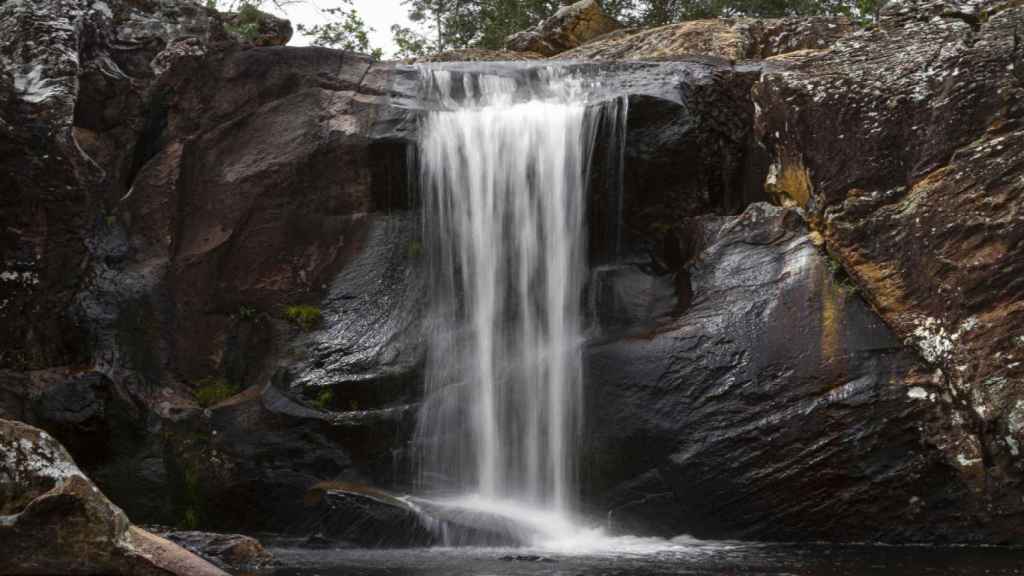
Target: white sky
(378,14)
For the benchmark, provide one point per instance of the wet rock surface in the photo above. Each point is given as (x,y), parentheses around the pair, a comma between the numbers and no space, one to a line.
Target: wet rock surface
(170,191)
(778,406)
(915,189)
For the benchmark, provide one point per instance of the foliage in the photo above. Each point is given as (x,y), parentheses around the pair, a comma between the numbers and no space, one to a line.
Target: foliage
(410,43)
(307,317)
(453,24)
(346,30)
(324,399)
(213,391)
(246,313)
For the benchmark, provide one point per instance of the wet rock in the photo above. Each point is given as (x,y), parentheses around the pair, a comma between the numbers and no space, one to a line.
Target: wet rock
(914,188)
(731,38)
(47,499)
(778,406)
(230,551)
(368,517)
(567,28)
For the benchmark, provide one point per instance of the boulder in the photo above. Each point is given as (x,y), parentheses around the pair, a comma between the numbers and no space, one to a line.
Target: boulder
(47,499)
(730,38)
(229,551)
(569,27)
(778,406)
(914,187)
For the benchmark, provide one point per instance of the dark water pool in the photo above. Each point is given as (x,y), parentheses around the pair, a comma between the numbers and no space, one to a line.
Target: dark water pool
(646,558)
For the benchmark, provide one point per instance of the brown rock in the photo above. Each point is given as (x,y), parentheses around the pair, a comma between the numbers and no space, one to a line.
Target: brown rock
(229,550)
(568,28)
(905,147)
(47,499)
(732,38)
(479,55)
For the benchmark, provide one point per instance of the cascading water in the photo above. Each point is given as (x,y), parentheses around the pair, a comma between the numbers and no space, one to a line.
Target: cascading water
(504,166)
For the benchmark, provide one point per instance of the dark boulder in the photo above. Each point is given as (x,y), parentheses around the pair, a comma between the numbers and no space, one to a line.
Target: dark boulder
(778,406)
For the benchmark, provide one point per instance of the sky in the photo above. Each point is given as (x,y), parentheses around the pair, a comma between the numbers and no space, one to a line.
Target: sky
(378,14)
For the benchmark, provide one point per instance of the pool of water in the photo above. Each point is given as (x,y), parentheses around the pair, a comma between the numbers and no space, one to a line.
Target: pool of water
(649,557)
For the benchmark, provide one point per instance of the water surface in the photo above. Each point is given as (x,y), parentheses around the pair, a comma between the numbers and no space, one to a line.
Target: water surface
(646,557)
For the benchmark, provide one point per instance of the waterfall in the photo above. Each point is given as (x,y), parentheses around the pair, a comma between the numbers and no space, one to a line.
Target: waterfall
(504,164)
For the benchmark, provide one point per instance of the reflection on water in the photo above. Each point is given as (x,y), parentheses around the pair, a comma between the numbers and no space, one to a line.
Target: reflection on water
(626,556)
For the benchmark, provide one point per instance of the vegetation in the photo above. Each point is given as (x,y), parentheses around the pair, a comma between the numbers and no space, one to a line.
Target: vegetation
(212,391)
(324,399)
(345,29)
(452,24)
(306,317)
(441,25)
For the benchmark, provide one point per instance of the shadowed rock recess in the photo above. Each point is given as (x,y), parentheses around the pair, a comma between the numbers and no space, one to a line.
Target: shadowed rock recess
(804,309)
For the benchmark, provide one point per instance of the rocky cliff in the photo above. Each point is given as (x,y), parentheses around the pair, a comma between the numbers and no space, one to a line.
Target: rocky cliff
(812,331)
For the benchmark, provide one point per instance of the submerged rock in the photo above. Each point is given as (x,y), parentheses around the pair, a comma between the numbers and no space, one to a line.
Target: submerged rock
(55,521)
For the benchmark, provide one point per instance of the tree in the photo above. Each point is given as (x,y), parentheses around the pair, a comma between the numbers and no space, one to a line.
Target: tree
(410,44)
(347,30)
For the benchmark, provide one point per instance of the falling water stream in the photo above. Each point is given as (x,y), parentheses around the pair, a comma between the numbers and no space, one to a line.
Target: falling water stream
(504,178)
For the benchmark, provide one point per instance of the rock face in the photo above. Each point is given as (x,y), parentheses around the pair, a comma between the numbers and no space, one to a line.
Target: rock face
(843,366)
(568,28)
(778,406)
(915,188)
(46,499)
(72,92)
(731,38)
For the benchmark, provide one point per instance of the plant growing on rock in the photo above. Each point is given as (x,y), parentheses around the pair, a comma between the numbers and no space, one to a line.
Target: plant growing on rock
(324,399)
(212,391)
(306,317)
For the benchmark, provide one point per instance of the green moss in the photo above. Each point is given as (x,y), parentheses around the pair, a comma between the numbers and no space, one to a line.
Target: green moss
(324,399)
(306,317)
(840,277)
(213,391)
(246,313)
(415,249)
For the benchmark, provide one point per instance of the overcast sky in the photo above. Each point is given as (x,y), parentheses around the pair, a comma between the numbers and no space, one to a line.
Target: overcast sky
(378,14)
